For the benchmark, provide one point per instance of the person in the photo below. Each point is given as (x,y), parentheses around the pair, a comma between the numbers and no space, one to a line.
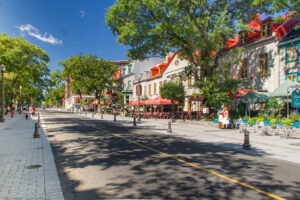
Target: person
(225,117)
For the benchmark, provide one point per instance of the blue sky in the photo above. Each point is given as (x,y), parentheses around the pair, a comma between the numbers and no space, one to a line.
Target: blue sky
(62,28)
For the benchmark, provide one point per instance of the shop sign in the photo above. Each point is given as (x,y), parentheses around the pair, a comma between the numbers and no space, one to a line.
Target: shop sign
(296,98)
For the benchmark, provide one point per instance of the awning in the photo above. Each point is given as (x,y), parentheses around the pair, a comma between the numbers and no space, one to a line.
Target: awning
(159,101)
(135,102)
(282,90)
(196,98)
(255,97)
(240,92)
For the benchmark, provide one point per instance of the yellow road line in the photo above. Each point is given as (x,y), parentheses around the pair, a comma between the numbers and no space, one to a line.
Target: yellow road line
(201,168)
(198,167)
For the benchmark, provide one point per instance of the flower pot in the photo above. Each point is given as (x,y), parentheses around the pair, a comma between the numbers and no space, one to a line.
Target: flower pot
(296,124)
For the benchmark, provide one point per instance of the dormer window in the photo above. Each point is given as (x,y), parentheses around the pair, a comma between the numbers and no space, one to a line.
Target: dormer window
(266,29)
(243,38)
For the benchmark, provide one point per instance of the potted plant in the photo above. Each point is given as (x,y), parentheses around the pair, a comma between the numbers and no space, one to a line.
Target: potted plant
(295,119)
(288,124)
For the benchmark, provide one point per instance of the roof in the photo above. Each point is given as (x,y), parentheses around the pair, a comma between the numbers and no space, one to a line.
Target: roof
(256,25)
(240,92)
(162,66)
(293,34)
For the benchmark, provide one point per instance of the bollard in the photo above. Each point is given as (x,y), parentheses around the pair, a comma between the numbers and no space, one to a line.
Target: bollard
(36,131)
(92,114)
(246,144)
(115,117)
(26,116)
(39,118)
(134,121)
(169,127)
(101,114)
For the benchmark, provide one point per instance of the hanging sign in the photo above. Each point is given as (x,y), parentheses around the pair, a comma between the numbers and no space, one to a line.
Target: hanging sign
(296,98)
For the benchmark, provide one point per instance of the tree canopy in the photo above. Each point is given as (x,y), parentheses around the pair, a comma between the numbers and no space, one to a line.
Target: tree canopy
(89,74)
(26,66)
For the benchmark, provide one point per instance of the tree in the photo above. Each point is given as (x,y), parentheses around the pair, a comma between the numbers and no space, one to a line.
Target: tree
(56,90)
(26,66)
(198,30)
(89,74)
(173,91)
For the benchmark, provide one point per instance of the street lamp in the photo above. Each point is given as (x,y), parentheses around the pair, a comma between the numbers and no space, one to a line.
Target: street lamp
(2,94)
(139,93)
(20,88)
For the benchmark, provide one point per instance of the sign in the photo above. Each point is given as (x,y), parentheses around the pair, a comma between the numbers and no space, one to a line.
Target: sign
(296,98)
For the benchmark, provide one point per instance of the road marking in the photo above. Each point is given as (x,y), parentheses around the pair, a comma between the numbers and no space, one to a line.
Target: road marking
(199,167)
(193,165)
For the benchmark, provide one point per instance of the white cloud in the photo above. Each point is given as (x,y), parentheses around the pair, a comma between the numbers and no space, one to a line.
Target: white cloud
(83,14)
(34,32)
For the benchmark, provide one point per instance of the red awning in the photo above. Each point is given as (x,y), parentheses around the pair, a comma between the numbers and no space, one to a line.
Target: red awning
(241,92)
(159,101)
(135,103)
(192,98)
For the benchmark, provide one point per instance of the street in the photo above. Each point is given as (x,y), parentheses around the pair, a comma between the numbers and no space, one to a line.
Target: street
(100,159)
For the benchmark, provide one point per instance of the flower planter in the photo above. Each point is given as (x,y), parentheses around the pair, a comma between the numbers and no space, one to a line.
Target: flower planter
(267,123)
(216,121)
(296,124)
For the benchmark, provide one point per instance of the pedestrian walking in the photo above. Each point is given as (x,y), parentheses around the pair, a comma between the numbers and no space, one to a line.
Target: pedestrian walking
(225,117)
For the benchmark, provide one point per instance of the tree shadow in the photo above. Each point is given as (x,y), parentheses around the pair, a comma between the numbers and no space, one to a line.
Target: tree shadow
(123,169)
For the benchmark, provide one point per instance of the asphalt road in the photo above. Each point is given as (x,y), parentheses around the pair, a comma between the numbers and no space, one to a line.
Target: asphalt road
(98,159)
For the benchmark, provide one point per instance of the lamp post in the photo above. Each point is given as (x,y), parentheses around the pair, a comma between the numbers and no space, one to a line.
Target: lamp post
(139,93)
(2,94)
(20,88)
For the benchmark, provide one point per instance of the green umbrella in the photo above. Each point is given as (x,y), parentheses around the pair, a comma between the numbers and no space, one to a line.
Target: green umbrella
(282,90)
(255,97)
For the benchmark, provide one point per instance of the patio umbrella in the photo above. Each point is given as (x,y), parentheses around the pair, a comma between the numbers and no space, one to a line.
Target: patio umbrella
(255,97)
(282,90)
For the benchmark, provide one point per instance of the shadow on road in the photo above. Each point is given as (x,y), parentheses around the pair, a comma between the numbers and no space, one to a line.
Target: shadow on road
(126,170)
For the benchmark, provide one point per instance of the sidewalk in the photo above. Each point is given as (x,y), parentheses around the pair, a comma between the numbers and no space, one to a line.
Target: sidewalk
(269,146)
(18,151)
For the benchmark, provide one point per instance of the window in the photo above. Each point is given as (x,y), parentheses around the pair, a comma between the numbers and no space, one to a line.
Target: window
(149,89)
(165,81)
(145,89)
(129,85)
(129,68)
(138,90)
(227,70)
(266,29)
(291,53)
(244,68)
(124,71)
(243,38)
(189,81)
(180,78)
(292,77)
(154,88)
(263,64)
(160,84)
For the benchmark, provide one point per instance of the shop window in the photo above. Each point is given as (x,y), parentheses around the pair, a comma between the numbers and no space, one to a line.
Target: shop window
(291,53)
(293,77)
(243,70)
(243,38)
(266,29)
(263,64)
(154,88)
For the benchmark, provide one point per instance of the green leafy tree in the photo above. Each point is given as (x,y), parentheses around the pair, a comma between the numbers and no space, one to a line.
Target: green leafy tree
(173,91)
(193,28)
(89,74)
(26,66)
(56,90)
